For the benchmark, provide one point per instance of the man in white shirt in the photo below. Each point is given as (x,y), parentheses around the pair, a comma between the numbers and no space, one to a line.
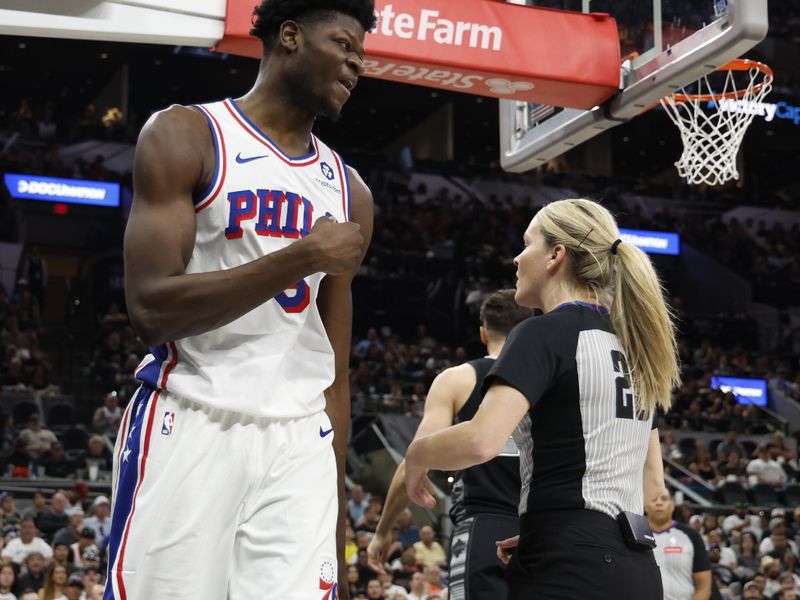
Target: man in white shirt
(18,549)
(765,469)
(36,439)
(100,521)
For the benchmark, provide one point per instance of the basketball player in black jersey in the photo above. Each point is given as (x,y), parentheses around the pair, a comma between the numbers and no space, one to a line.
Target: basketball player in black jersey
(485,497)
(578,388)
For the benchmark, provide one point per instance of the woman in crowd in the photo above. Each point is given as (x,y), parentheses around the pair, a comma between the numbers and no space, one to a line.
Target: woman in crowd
(578,387)
(54,583)
(748,555)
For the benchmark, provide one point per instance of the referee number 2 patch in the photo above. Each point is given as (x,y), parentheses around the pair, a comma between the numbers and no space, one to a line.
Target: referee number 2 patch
(169,421)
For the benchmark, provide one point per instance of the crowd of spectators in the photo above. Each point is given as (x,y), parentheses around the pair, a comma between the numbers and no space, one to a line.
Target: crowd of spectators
(53,549)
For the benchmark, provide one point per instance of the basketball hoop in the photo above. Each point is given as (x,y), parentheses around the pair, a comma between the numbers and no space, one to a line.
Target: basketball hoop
(712,123)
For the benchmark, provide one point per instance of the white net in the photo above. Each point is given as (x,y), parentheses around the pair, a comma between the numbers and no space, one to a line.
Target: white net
(712,121)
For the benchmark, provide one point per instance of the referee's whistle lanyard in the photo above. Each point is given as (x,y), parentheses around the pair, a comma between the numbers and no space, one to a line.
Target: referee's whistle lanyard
(595,307)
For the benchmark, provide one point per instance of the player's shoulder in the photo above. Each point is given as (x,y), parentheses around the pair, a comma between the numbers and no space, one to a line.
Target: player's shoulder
(460,375)
(176,123)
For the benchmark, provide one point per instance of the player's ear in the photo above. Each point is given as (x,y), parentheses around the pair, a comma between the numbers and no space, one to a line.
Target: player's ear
(289,35)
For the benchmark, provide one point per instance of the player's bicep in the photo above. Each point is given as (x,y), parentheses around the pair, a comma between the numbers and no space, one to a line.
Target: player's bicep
(168,165)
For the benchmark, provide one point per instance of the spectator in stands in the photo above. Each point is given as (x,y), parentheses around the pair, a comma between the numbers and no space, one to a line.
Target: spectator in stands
(74,588)
(98,454)
(357,503)
(61,555)
(365,571)
(739,520)
(703,467)
(417,587)
(37,507)
(57,464)
(84,546)
(96,592)
(727,556)
(100,521)
(107,418)
(730,444)
(771,567)
(751,591)
(353,580)
(765,469)
(17,550)
(51,520)
(777,541)
(368,521)
(408,533)
(10,517)
(55,582)
(733,469)
(7,578)
(433,577)
(374,590)
(788,581)
(72,532)
(33,575)
(748,555)
(718,570)
(390,588)
(428,551)
(36,439)
(405,567)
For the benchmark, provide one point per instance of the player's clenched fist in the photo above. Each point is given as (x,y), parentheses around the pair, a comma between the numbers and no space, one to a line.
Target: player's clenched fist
(337,246)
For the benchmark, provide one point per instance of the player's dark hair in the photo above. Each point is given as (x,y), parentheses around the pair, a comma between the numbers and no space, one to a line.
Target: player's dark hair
(500,313)
(271,14)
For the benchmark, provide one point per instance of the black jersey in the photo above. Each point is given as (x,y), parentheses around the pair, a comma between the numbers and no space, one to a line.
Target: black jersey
(492,487)
(582,443)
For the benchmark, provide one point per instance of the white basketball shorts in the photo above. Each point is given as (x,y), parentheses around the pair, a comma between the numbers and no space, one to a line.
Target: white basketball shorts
(213,505)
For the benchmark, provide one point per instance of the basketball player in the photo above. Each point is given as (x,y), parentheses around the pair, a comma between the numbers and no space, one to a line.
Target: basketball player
(485,496)
(245,233)
(580,417)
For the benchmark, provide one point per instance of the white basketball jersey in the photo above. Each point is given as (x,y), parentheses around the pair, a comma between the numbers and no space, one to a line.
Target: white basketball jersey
(276,360)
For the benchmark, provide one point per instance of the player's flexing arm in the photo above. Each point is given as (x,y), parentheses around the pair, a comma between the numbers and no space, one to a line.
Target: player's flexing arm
(175,161)
(335,303)
(448,393)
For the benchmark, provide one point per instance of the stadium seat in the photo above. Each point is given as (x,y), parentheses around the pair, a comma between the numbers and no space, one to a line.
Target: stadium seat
(764,495)
(74,438)
(60,416)
(749,447)
(732,493)
(791,495)
(686,446)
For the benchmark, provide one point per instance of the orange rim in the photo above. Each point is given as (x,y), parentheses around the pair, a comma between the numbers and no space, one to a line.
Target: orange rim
(737,64)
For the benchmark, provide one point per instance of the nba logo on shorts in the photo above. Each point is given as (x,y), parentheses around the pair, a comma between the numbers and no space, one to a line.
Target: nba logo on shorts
(169,420)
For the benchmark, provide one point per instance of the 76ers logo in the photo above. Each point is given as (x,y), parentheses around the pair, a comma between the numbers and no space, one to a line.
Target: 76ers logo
(169,421)
(327,577)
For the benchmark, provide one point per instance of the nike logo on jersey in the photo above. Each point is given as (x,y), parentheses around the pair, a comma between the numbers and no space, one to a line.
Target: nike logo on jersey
(242,161)
(324,432)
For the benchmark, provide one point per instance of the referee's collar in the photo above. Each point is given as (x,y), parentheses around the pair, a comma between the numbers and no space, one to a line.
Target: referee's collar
(671,526)
(595,307)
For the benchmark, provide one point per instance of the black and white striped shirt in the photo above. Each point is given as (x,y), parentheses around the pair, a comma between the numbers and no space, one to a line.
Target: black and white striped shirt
(582,443)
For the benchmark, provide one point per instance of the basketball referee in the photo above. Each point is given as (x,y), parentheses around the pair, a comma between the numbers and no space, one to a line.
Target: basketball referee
(485,496)
(579,415)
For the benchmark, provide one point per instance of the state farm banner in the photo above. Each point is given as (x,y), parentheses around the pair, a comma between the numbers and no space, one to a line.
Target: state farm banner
(483,47)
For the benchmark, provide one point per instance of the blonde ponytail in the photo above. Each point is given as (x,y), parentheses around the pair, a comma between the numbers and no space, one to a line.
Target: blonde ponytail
(627,282)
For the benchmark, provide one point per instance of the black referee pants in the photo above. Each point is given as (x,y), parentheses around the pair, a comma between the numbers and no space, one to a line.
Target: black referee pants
(579,554)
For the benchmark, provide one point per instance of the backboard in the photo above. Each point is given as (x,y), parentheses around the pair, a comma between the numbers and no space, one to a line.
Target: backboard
(664,44)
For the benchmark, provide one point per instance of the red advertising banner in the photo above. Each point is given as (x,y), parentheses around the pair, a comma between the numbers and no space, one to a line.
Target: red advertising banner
(483,47)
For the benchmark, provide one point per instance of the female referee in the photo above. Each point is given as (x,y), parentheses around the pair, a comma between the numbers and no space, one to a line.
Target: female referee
(578,388)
